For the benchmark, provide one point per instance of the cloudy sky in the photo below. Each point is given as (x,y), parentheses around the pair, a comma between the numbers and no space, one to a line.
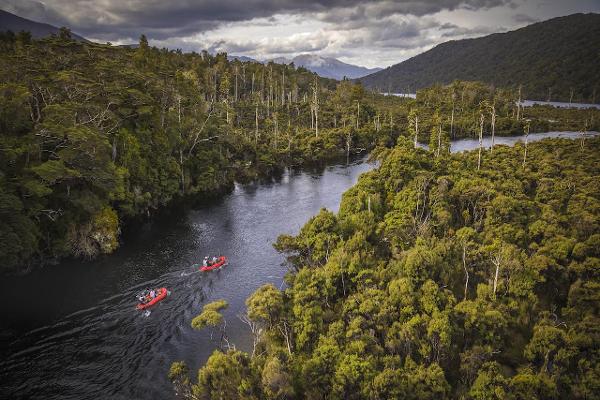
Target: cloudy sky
(368,33)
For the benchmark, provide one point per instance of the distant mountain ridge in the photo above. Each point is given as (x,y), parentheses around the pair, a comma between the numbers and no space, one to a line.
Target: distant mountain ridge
(14,23)
(556,59)
(329,67)
(326,67)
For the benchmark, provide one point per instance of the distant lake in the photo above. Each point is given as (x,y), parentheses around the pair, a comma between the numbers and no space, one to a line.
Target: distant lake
(466,144)
(558,104)
(407,95)
(524,103)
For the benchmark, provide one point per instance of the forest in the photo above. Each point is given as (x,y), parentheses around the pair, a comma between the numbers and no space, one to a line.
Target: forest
(96,137)
(442,276)
(93,136)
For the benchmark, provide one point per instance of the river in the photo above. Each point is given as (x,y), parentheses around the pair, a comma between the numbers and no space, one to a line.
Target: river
(71,331)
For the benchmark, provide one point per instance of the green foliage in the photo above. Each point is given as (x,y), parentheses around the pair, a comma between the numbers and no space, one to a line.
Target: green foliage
(265,304)
(458,283)
(86,127)
(276,380)
(210,315)
(225,376)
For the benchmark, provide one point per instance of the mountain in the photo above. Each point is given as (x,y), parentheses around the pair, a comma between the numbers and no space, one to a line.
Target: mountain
(241,58)
(280,60)
(12,22)
(552,59)
(327,67)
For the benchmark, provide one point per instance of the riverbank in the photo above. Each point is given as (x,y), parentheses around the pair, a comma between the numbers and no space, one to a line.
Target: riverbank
(250,173)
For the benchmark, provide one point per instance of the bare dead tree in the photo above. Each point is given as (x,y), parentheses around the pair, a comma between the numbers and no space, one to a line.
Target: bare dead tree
(582,133)
(413,119)
(481,120)
(452,115)
(256,125)
(493,117)
(286,332)
(255,329)
(315,105)
(519,104)
(464,260)
(526,141)
(196,138)
(571,96)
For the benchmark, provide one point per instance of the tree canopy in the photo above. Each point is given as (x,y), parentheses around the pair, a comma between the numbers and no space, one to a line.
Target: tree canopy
(436,280)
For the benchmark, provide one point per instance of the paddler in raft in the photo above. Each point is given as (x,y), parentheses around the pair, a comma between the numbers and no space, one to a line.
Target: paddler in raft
(146,295)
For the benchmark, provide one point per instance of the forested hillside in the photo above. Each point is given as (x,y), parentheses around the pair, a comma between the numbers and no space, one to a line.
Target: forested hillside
(555,59)
(14,23)
(438,278)
(94,135)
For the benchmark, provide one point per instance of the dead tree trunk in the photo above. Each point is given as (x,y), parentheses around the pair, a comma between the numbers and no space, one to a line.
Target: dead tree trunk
(493,126)
(256,125)
(519,104)
(496,261)
(571,96)
(481,119)
(416,130)
(437,151)
(452,121)
(526,141)
(464,260)
(315,106)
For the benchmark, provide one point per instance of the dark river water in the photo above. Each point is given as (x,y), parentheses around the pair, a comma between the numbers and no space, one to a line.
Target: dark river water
(72,331)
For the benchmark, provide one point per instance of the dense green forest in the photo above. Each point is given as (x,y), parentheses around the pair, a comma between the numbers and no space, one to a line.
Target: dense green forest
(440,277)
(93,135)
(555,59)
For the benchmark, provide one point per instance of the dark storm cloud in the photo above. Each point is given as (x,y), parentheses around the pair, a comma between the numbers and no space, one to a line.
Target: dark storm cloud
(113,19)
(382,9)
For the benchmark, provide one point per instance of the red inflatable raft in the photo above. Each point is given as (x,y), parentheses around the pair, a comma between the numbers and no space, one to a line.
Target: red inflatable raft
(221,261)
(160,294)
